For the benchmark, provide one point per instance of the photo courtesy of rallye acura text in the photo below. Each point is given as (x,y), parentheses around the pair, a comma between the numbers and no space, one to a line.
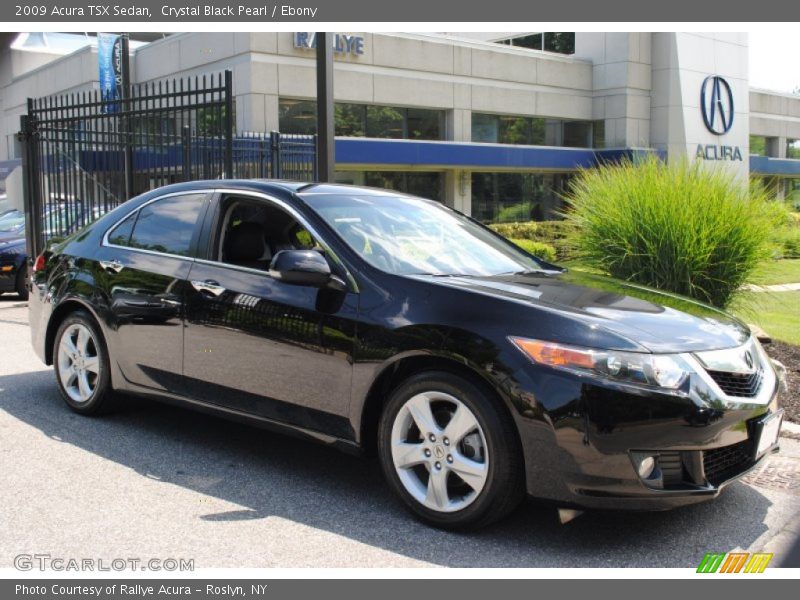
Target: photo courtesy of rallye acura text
(389,324)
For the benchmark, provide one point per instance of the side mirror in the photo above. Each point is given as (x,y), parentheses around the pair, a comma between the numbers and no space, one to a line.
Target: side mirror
(303,267)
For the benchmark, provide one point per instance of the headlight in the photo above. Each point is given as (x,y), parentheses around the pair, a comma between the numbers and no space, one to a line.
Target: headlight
(667,372)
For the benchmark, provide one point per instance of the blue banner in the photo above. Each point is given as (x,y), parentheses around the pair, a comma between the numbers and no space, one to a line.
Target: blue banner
(109,62)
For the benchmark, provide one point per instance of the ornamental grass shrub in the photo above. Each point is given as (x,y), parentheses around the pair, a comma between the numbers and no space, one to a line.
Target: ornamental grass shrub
(678,227)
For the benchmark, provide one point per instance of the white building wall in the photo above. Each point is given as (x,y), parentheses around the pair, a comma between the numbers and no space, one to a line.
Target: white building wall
(680,64)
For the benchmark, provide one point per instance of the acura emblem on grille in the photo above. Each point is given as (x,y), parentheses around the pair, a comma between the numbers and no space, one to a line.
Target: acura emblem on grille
(748,359)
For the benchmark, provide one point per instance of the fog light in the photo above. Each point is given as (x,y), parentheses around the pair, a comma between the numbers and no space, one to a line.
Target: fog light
(646,467)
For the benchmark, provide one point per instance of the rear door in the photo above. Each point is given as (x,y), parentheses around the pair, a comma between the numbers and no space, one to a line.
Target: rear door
(143,266)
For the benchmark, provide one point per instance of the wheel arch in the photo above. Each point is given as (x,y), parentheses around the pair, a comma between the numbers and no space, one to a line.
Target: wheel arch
(61,312)
(402,368)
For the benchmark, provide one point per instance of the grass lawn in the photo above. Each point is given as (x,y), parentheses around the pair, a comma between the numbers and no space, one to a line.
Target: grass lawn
(777,313)
(777,271)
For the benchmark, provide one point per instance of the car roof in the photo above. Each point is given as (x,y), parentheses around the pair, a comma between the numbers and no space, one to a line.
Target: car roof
(271,185)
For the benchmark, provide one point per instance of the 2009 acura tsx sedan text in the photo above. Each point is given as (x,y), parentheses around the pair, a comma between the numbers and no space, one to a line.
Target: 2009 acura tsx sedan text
(373,320)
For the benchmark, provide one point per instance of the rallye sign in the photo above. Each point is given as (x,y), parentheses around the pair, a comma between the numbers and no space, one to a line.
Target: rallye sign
(342,43)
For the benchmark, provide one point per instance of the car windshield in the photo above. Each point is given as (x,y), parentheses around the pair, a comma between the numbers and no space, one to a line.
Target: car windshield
(405,235)
(12,221)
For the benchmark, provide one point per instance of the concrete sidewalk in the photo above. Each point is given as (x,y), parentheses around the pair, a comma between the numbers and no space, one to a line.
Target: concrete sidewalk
(780,287)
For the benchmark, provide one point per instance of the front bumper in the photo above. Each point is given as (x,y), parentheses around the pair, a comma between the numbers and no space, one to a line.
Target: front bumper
(582,440)
(8,273)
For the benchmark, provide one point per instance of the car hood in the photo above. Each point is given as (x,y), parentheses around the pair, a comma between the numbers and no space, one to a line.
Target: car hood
(655,320)
(10,241)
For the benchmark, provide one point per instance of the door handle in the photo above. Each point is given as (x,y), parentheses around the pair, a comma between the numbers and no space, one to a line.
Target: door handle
(209,285)
(112,265)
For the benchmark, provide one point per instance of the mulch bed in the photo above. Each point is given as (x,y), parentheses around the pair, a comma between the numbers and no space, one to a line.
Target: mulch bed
(789,355)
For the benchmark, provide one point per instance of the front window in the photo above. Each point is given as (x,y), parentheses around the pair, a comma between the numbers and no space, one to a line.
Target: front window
(407,236)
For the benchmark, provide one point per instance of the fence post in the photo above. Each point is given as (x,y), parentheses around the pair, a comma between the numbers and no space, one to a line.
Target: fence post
(186,138)
(315,163)
(229,124)
(127,121)
(275,150)
(30,179)
(263,154)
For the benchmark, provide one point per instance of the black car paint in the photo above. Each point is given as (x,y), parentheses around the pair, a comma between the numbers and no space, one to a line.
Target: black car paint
(318,362)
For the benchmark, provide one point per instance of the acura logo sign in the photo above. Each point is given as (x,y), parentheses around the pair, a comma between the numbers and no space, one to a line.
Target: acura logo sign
(716,102)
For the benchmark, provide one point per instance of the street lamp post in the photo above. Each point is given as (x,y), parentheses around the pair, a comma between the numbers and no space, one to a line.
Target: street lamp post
(325,115)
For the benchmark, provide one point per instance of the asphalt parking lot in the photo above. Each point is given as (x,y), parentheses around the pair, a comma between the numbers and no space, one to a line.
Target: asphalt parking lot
(153,481)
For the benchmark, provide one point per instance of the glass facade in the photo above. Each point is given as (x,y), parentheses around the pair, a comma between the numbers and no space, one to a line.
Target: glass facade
(758,145)
(562,42)
(534,131)
(364,120)
(792,148)
(511,197)
(425,184)
(792,193)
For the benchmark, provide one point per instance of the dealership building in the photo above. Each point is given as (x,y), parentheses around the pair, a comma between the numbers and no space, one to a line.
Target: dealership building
(492,124)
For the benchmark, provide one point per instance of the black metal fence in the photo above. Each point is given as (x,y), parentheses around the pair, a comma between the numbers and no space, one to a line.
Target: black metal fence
(83,155)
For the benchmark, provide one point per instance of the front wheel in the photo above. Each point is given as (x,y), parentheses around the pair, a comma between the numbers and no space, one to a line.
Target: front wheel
(449,450)
(81,364)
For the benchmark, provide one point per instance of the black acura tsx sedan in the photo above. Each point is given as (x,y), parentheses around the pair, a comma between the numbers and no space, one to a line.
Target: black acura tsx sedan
(381,322)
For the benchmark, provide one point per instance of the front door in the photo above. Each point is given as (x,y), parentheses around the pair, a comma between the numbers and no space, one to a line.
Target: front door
(261,346)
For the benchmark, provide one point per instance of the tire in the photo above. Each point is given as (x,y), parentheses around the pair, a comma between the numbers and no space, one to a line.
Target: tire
(22,280)
(81,366)
(478,475)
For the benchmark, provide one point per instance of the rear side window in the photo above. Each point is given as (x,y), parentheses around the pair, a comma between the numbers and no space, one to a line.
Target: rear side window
(166,225)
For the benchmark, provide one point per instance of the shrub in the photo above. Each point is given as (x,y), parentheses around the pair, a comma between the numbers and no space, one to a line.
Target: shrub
(786,241)
(556,234)
(517,231)
(678,227)
(538,249)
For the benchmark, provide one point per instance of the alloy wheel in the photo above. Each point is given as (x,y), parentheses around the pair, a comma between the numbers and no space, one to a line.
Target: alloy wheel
(439,451)
(78,363)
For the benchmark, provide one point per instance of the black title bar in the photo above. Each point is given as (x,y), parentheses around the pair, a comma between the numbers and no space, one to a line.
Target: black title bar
(172,12)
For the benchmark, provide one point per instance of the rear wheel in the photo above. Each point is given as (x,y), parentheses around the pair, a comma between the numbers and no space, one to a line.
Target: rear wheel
(81,364)
(449,451)
(21,283)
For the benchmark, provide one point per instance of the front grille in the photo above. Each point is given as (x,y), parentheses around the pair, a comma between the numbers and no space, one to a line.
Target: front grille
(740,385)
(723,463)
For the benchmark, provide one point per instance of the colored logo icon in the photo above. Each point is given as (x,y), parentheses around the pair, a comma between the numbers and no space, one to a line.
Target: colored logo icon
(734,562)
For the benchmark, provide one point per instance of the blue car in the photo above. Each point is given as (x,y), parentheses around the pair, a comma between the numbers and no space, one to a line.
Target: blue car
(13,255)
(13,250)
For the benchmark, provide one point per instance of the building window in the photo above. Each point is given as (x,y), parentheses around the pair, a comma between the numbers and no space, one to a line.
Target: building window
(758,145)
(425,184)
(792,194)
(562,43)
(792,148)
(513,197)
(599,134)
(297,116)
(364,120)
(532,131)
(577,134)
